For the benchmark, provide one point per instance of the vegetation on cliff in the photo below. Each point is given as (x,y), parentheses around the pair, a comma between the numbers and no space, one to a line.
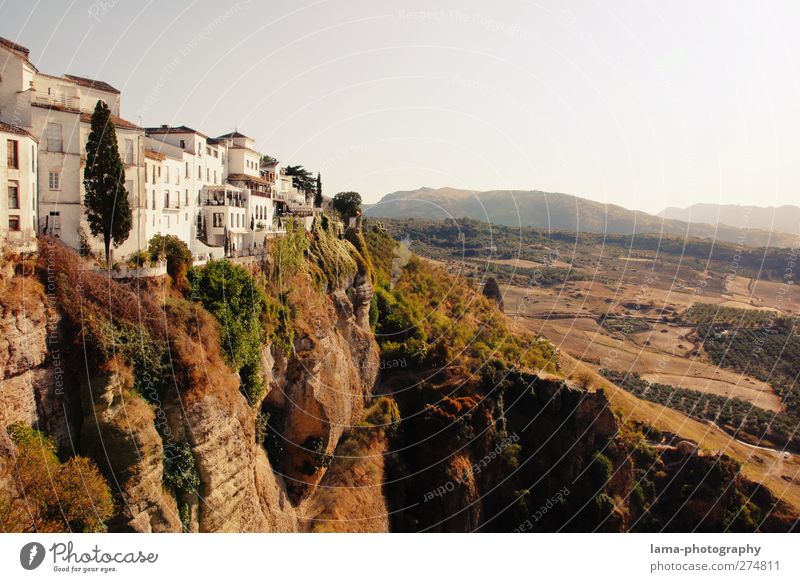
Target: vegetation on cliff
(48,495)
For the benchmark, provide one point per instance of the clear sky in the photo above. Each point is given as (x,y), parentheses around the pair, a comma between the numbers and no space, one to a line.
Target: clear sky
(640,103)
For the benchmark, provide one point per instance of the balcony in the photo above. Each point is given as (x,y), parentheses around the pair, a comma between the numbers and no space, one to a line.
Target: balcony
(227,198)
(57,100)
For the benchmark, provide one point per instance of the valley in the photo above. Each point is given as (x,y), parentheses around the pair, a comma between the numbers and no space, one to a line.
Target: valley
(647,325)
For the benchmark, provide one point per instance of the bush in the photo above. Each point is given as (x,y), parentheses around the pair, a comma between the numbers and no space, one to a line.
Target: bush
(138,259)
(321,459)
(52,496)
(178,256)
(180,473)
(231,295)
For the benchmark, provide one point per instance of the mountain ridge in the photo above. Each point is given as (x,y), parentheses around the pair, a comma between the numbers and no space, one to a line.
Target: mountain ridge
(783,218)
(557,211)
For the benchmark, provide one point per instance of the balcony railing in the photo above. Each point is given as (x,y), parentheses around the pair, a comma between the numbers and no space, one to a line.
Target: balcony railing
(56,100)
(237,200)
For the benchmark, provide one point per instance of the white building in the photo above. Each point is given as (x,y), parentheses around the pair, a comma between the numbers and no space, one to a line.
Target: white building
(18,204)
(57,111)
(213,193)
(257,193)
(190,162)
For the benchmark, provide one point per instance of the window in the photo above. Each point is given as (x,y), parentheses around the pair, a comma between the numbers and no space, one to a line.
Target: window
(187,197)
(217,219)
(13,197)
(146,166)
(216,154)
(208,151)
(215,176)
(13,223)
(54,180)
(208,175)
(183,144)
(187,170)
(13,153)
(159,172)
(177,199)
(53,135)
(166,199)
(154,205)
(129,151)
(33,158)
(166,174)
(199,172)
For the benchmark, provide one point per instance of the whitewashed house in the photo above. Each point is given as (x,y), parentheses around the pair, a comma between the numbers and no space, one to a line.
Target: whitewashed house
(257,193)
(57,112)
(18,203)
(180,191)
(213,193)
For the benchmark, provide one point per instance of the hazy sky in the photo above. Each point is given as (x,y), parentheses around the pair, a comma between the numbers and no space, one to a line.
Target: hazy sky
(639,103)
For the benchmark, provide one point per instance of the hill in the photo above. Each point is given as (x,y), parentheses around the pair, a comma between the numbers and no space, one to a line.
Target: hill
(555,211)
(784,218)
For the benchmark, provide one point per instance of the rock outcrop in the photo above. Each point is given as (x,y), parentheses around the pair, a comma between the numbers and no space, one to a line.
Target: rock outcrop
(119,434)
(321,387)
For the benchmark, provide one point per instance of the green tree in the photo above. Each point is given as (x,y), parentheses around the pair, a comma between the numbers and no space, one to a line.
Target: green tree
(232,296)
(301,178)
(178,256)
(318,193)
(347,204)
(492,291)
(108,210)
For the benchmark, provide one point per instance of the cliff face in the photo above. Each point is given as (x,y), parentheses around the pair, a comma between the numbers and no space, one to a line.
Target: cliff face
(133,430)
(527,452)
(32,373)
(136,379)
(320,389)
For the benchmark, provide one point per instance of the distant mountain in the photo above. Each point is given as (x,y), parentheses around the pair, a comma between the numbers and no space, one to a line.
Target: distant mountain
(775,218)
(555,211)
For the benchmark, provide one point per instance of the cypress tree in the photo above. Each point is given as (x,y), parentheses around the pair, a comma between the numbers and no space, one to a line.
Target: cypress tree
(108,210)
(492,290)
(318,194)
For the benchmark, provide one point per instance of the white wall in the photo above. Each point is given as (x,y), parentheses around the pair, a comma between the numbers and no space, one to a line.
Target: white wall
(24,178)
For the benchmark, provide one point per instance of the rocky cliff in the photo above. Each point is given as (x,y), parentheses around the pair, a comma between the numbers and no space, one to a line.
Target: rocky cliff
(167,422)
(469,426)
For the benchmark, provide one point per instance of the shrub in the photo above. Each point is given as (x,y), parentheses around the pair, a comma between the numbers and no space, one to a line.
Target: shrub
(232,296)
(180,473)
(178,256)
(321,459)
(52,496)
(138,259)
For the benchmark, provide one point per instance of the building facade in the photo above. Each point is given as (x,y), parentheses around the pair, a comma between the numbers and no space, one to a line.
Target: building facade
(18,171)
(215,194)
